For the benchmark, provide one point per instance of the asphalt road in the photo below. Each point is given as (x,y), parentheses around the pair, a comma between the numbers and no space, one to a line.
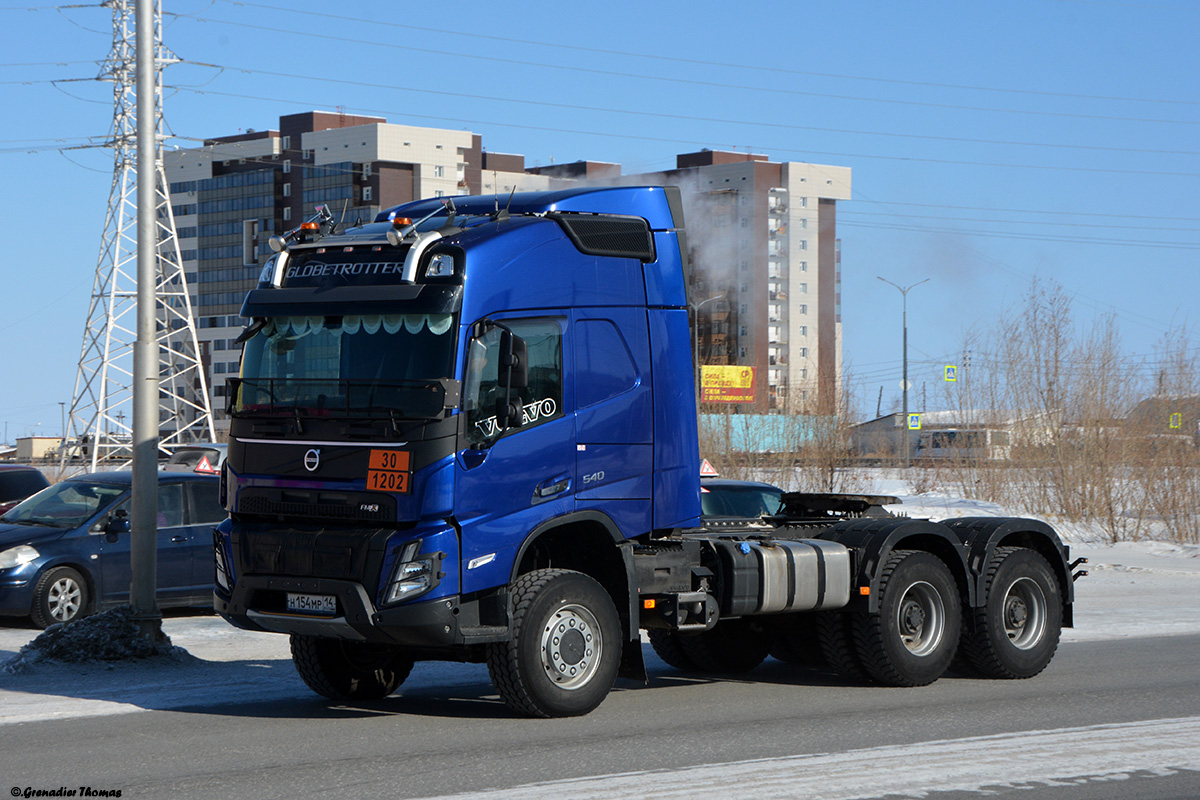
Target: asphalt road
(1116,719)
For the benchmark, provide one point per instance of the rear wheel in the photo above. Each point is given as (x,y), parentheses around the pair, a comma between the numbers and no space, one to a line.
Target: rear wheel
(61,595)
(1015,633)
(836,643)
(796,642)
(667,645)
(565,648)
(343,670)
(913,638)
(731,646)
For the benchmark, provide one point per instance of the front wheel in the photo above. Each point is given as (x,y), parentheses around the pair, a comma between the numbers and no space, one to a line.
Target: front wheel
(565,646)
(913,638)
(343,670)
(1015,633)
(61,595)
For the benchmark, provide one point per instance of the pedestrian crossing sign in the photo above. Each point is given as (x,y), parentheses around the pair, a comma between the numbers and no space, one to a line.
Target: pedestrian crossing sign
(914,422)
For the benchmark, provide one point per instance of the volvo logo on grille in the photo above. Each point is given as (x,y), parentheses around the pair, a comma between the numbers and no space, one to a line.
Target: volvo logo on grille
(312,460)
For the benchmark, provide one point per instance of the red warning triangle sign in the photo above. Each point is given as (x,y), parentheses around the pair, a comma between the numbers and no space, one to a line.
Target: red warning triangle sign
(204,466)
(707,470)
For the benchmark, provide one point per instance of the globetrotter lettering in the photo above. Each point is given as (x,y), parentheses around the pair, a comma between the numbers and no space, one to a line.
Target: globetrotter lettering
(531,412)
(317,269)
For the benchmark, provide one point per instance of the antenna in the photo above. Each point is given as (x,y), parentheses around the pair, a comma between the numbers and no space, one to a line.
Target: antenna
(103,396)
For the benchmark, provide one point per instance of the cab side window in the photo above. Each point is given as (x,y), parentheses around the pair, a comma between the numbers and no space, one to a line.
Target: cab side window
(541,399)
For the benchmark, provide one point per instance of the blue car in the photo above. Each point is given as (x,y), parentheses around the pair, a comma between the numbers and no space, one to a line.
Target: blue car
(64,553)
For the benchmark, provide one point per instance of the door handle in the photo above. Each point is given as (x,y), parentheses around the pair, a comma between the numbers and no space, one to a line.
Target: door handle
(178,538)
(552,487)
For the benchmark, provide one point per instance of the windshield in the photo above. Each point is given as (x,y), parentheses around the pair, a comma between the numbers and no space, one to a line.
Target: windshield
(65,505)
(349,364)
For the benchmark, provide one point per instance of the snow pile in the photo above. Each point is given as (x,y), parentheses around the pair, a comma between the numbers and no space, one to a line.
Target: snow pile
(111,635)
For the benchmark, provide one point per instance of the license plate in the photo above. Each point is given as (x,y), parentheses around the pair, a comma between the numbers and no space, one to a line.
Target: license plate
(325,604)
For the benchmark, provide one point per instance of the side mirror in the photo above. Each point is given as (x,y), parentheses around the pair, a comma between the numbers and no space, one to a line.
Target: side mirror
(118,523)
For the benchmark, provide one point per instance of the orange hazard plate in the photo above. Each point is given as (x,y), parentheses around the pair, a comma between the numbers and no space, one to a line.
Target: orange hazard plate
(388,471)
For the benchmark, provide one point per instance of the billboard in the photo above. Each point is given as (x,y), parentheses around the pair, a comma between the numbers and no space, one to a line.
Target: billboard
(725,384)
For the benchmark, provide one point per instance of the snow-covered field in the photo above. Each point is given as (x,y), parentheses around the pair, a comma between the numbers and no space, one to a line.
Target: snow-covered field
(1138,589)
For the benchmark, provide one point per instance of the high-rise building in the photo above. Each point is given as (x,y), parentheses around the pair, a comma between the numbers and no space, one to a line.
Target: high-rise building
(766,271)
(765,280)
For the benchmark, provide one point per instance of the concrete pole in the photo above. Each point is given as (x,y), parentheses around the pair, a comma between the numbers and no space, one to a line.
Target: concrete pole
(144,505)
(904,381)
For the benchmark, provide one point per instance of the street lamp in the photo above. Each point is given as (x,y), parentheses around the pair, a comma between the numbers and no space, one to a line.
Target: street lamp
(696,335)
(904,290)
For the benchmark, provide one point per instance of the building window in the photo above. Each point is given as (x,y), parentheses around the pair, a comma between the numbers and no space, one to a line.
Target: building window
(287,213)
(439,171)
(287,143)
(802,287)
(287,165)
(803,245)
(366,171)
(804,308)
(804,352)
(366,194)
(804,330)
(804,266)
(287,190)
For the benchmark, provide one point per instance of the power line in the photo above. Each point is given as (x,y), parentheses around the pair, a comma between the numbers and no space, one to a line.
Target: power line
(709,63)
(442,92)
(275,30)
(1105,225)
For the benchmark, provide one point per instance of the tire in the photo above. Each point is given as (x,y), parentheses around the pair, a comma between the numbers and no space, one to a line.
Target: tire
(836,643)
(565,646)
(61,595)
(797,642)
(1015,633)
(731,646)
(343,670)
(666,645)
(914,637)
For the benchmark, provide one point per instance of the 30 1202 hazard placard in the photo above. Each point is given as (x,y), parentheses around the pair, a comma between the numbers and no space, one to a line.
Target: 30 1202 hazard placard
(388,471)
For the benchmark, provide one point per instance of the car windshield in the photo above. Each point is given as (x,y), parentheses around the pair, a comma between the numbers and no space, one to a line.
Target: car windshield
(740,501)
(352,364)
(65,505)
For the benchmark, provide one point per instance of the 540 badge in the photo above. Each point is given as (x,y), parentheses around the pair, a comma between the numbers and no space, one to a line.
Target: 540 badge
(389,471)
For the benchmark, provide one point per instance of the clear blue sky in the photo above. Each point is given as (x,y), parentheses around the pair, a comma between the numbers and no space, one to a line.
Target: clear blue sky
(990,142)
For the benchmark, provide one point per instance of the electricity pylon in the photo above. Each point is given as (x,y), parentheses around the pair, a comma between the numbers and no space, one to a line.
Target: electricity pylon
(100,419)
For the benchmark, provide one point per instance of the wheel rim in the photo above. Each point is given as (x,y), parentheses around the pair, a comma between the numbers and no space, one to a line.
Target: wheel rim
(571,647)
(921,619)
(63,599)
(1024,613)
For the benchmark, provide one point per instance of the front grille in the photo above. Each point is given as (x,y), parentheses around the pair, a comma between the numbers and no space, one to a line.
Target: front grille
(364,506)
(311,552)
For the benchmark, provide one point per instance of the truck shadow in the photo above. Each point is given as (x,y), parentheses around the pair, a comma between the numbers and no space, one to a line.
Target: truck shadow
(271,689)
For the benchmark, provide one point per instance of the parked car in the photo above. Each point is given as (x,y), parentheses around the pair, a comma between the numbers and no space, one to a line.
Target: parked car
(205,458)
(724,498)
(17,483)
(64,553)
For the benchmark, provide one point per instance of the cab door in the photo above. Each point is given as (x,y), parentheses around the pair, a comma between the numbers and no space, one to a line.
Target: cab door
(509,481)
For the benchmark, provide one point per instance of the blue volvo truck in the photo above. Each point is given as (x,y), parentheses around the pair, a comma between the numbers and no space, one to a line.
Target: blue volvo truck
(467,431)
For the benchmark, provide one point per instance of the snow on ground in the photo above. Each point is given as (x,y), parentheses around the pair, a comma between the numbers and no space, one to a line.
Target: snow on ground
(1136,589)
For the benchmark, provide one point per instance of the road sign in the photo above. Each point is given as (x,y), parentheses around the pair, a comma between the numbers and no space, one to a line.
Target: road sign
(914,422)
(951,372)
(707,470)
(1177,420)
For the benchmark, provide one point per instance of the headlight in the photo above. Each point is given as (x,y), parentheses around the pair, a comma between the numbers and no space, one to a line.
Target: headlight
(412,576)
(16,556)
